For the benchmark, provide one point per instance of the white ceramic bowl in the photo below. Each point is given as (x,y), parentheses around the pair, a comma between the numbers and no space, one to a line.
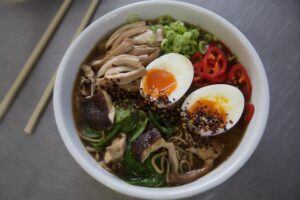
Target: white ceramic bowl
(215,24)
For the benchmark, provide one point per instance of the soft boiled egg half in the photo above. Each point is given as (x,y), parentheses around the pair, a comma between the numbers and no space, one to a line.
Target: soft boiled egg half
(168,78)
(213,109)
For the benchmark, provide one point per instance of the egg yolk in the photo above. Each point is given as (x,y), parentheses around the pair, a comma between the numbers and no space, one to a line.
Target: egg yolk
(211,108)
(159,82)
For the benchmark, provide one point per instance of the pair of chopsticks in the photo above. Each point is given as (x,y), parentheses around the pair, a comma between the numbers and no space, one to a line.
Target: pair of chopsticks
(36,53)
(16,86)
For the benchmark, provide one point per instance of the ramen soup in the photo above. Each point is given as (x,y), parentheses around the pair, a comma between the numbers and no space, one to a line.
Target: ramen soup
(161,102)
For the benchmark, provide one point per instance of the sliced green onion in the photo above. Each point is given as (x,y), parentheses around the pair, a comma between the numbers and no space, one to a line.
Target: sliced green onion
(191,50)
(187,35)
(133,18)
(165,19)
(178,26)
(192,42)
(185,49)
(165,45)
(178,39)
(214,38)
(170,34)
(153,28)
(195,34)
(167,28)
(207,37)
(181,38)
(177,48)
(202,47)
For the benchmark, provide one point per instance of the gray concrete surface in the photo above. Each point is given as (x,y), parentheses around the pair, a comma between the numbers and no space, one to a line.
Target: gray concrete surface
(40,168)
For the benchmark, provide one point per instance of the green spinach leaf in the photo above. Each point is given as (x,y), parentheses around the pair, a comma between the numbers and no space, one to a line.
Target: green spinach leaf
(141,174)
(166,131)
(91,133)
(141,125)
(109,135)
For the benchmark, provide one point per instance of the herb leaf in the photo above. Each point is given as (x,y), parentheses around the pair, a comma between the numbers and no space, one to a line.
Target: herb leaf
(91,133)
(166,131)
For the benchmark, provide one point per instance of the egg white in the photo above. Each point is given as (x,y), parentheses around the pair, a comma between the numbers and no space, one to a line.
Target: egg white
(233,106)
(180,67)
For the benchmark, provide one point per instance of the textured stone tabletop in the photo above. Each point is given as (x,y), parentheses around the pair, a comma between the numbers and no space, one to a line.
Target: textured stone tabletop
(40,168)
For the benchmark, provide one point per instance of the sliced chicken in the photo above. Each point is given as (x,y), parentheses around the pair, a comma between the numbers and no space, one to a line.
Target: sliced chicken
(150,58)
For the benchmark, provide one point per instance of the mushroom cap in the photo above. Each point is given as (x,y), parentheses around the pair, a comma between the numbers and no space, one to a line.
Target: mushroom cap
(151,141)
(98,111)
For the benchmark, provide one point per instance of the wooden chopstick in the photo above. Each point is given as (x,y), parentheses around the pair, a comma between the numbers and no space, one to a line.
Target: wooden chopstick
(36,53)
(49,89)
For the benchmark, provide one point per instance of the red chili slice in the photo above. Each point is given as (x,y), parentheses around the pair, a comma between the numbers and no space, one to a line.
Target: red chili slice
(198,68)
(214,63)
(238,76)
(219,79)
(197,57)
(248,113)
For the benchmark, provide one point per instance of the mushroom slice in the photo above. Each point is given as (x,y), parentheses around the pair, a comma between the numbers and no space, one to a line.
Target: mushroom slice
(138,50)
(127,34)
(124,47)
(150,58)
(208,154)
(117,70)
(143,57)
(128,60)
(122,78)
(116,34)
(98,111)
(151,141)
(92,91)
(84,90)
(88,72)
(116,150)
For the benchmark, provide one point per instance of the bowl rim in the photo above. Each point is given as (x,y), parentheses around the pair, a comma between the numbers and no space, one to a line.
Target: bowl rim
(224,171)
